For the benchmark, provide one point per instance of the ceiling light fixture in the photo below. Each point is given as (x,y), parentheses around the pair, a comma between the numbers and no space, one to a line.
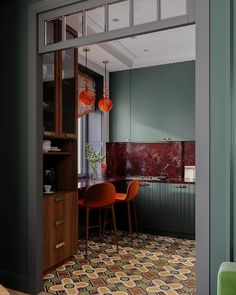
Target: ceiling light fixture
(86,97)
(115,19)
(105,104)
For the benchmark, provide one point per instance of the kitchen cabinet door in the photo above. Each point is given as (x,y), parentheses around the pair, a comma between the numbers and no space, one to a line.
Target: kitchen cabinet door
(179,101)
(148,206)
(147,121)
(178,208)
(187,208)
(120,113)
(166,207)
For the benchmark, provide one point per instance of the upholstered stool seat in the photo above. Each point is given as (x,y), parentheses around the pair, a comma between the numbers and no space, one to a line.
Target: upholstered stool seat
(227,279)
(120,197)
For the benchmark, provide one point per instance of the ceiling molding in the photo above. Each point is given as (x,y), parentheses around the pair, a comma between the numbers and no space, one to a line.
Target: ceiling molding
(114,48)
(91,65)
(155,60)
(117,54)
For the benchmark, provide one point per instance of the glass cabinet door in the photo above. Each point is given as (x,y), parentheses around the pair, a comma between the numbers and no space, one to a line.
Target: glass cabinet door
(49,87)
(69,91)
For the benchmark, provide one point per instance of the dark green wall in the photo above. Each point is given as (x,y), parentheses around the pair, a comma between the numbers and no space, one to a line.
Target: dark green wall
(222,136)
(13,148)
(153,103)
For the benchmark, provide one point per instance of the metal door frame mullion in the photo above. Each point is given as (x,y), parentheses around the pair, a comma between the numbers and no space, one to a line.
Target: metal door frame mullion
(191,10)
(131,30)
(116,34)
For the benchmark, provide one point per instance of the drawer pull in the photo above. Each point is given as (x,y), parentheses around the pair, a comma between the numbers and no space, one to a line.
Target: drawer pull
(181,186)
(60,245)
(59,222)
(59,199)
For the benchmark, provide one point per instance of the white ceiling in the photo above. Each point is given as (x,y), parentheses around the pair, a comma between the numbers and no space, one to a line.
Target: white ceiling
(162,47)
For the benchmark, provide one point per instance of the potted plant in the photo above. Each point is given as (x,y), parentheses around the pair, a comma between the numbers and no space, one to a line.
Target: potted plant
(93,157)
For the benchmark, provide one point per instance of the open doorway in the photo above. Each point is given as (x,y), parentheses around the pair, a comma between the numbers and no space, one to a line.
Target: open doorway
(152,138)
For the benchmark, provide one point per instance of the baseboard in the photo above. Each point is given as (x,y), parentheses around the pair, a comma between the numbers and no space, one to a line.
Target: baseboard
(169,234)
(14,281)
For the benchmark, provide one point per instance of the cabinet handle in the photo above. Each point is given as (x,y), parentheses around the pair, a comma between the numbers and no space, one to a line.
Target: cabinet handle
(48,133)
(59,222)
(144,183)
(181,186)
(60,245)
(59,199)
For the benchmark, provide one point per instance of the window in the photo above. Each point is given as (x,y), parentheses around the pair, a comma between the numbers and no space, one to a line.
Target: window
(82,139)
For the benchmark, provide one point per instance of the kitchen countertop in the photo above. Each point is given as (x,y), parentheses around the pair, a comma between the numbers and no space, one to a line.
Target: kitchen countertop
(86,182)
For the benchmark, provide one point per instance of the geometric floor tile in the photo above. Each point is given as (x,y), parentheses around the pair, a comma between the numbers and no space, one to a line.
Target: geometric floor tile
(154,265)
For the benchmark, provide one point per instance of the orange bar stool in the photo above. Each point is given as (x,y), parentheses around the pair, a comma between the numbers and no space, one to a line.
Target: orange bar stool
(99,196)
(131,194)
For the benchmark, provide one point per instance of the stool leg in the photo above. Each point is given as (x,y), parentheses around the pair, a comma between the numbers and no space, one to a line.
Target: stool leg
(104,224)
(130,223)
(114,225)
(135,218)
(87,232)
(100,224)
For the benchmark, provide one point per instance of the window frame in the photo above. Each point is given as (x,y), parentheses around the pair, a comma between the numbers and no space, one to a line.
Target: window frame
(82,133)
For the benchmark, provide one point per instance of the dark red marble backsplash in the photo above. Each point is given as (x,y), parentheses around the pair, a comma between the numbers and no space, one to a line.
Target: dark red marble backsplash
(149,159)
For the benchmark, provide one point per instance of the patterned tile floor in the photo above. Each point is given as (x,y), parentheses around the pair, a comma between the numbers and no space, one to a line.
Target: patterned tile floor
(154,265)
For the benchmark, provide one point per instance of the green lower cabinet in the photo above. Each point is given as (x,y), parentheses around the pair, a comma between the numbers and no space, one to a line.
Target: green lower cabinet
(148,205)
(167,207)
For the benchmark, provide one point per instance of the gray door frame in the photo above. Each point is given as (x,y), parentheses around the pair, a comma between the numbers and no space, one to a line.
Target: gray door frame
(35,158)
(131,29)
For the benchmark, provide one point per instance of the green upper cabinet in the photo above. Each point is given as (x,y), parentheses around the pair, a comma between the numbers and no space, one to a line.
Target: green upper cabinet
(120,113)
(147,104)
(179,101)
(153,103)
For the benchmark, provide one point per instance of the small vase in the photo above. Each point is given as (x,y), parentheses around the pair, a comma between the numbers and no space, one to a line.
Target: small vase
(94,173)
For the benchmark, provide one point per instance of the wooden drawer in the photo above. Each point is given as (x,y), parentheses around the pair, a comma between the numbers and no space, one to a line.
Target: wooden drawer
(59,207)
(60,227)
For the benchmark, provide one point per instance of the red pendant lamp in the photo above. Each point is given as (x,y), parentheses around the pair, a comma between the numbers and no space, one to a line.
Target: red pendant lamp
(86,97)
(105,104)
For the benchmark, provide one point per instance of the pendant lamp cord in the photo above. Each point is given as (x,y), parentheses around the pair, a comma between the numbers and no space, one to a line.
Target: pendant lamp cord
(105,73)
(86,58)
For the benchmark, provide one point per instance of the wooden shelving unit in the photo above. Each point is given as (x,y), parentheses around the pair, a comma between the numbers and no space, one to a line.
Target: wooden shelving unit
(60,208)
(56,153)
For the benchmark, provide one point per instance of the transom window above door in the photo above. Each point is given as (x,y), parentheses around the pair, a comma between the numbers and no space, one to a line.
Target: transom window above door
(98,21)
